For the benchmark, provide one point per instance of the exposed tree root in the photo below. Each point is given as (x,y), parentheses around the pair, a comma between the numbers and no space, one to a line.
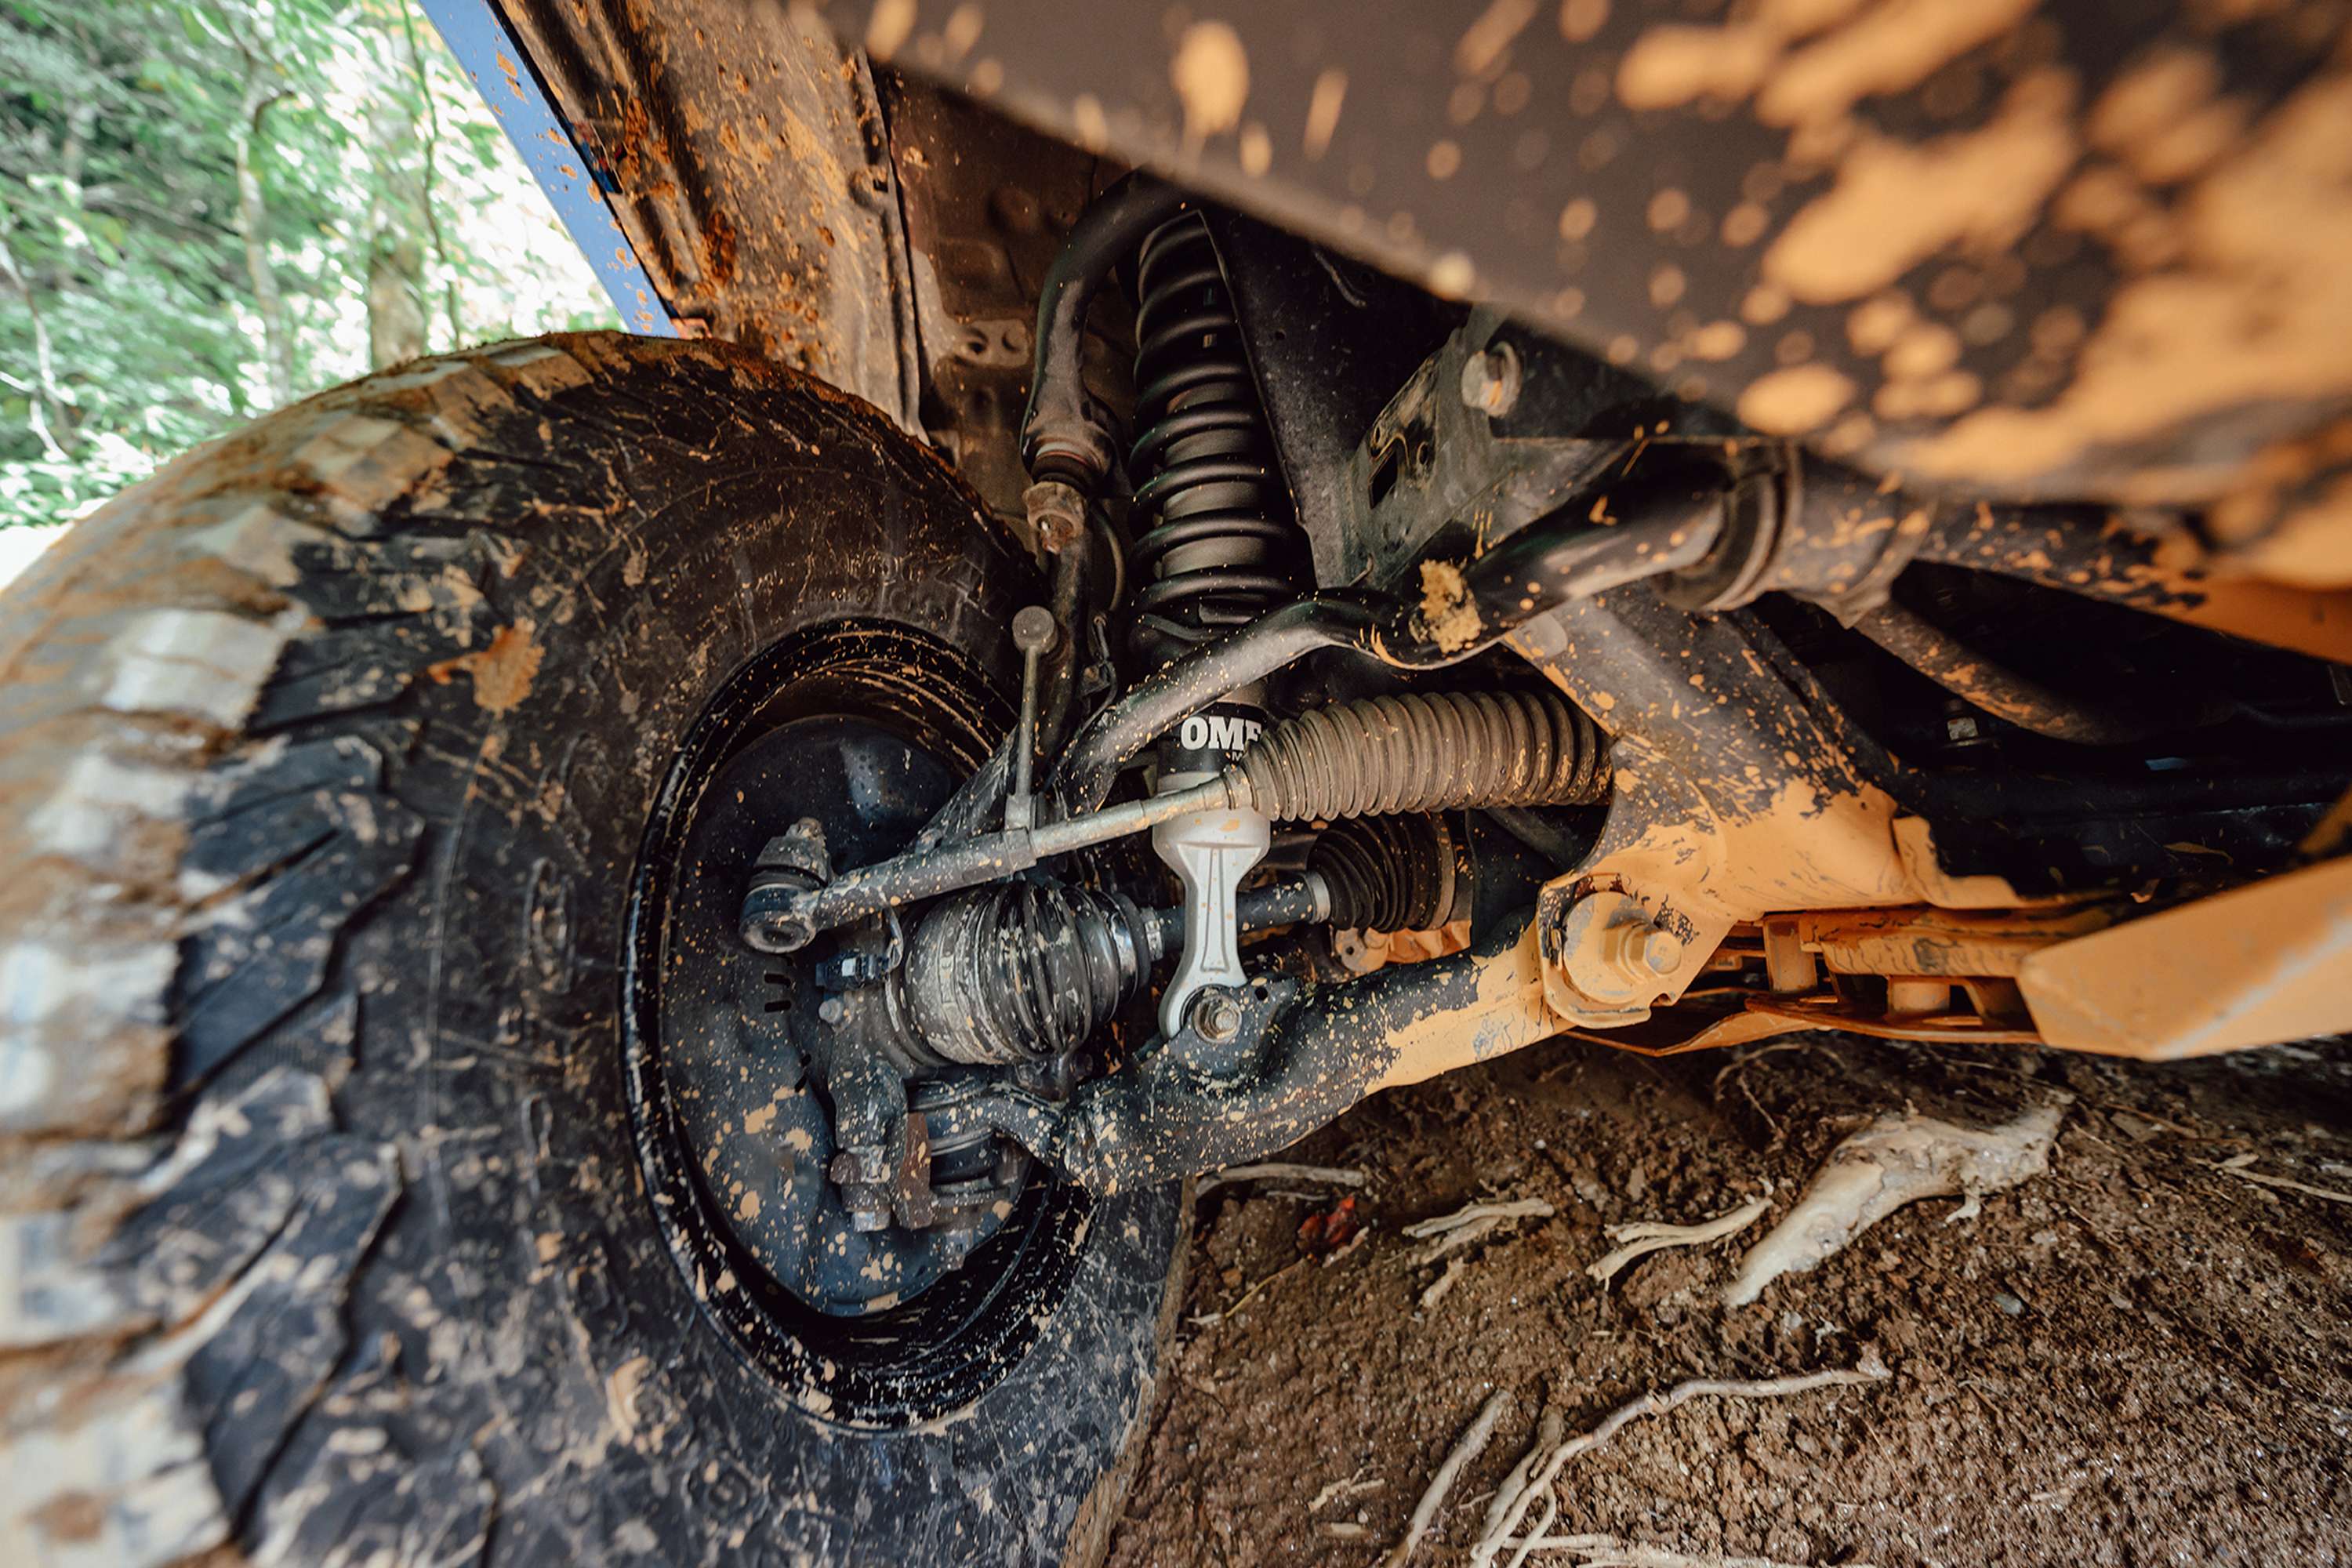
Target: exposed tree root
(1471,1444)
(1499,1530)
(1645,1237)
(1895,1161)
(1277,1171)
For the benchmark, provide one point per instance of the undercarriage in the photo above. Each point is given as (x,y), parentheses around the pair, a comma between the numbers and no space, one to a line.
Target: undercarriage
(1549,704)
(624,946)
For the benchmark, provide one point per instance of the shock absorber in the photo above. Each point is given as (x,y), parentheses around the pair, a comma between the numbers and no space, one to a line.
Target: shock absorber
(1220,548)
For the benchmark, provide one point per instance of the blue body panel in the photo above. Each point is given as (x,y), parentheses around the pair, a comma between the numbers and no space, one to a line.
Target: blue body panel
(488,53)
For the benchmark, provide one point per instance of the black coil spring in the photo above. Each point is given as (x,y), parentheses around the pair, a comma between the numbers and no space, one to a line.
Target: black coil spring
(1388,873)
(1216,538)
(1416,752)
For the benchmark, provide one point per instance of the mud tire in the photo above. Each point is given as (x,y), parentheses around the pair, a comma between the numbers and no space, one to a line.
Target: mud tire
(325,754)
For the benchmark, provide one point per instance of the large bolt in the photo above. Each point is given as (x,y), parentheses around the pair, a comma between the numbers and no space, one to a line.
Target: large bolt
(1637,951)
(1490,380)
(1216,1017)
(1058,514)
(1613,952)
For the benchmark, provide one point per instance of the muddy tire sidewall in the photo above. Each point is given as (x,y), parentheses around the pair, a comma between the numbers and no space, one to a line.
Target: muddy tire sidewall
(512,1329)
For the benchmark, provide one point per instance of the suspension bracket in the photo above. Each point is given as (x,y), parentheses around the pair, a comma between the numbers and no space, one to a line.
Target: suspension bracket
(1210,852)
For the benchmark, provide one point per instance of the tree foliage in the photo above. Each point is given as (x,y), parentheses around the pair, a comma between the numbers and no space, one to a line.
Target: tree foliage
(209,206)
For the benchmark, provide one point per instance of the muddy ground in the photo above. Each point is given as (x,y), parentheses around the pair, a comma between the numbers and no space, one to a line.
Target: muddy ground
(2136,1358)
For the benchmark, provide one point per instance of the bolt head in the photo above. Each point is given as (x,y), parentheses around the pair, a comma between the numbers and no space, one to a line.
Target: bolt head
(832,1010)
(1217,1017)
(1662,950)
(1490,381)
(1058,514)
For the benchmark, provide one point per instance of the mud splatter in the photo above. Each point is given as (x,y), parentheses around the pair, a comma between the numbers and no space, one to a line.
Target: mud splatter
(1895,205)
(502,673)
(1210,75)
(1794,401)
(1446,608)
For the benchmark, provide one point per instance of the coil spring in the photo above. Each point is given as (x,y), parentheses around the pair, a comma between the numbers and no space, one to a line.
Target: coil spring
(1416,752)
(1388,873)
(1214,530)
(1019,970)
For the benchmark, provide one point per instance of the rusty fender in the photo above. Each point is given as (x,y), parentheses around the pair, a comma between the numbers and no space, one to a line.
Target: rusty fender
(1329,1050)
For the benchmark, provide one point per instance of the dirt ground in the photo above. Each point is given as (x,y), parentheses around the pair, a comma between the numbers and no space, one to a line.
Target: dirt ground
(2138,1358)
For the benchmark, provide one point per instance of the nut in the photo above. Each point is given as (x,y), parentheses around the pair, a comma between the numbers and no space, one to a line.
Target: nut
(1058,512)
(1217,1017)
(1611,951)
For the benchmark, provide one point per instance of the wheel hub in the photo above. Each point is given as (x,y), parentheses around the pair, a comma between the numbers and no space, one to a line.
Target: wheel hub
(741,1064)
(767,1055)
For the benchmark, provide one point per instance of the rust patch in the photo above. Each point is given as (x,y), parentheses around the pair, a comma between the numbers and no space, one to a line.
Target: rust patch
(502,672)
(74,1516)
(718,249)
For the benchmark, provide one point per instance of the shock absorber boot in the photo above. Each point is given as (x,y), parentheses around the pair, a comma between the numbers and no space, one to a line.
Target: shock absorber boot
(1424,753)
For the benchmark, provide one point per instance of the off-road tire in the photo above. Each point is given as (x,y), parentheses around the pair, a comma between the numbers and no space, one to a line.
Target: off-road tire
(323,1233)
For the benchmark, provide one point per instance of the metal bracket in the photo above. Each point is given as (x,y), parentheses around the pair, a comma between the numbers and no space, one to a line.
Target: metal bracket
(1210,852)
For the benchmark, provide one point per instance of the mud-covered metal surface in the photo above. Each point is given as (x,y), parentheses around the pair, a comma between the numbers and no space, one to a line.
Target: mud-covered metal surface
(989,204)
(1741,790)
(2262,962)
(743,151)
(2037,249)
(1178,1112)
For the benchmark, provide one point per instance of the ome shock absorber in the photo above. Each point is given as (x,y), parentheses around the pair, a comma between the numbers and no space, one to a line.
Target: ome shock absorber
(1215,534)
